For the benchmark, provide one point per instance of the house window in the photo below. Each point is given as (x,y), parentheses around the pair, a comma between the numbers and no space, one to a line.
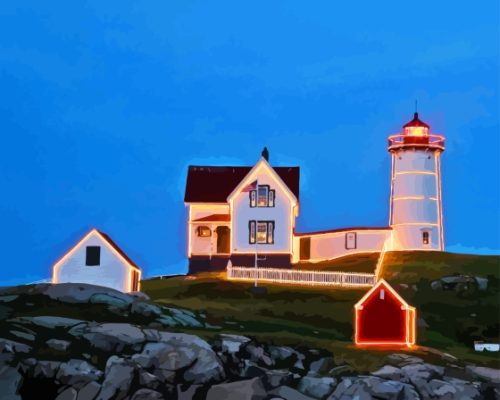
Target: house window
(271,198)
(262,195)
(261,232)
(350,240)
(204,231)
(253,198)
(251,232)
(93,255)
(425,237)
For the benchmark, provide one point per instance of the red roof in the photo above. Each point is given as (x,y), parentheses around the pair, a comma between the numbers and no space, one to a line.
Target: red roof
(115,246)
(415,122)
(214,218)
(207,184)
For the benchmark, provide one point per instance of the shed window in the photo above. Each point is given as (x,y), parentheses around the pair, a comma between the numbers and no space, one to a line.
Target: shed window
(382,294)
(93,256)
(425,237)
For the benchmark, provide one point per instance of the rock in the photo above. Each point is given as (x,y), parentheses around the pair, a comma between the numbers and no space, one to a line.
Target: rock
(251,389)
(79,292)
(486,374)
(59,345)
(119,377)
(368,387)
(284,356)
(401,359)
(482,283)
(257,355)
(232,343)
(144,309)
(392,373)
(321,366)
(184,318)
(23,335)
(191,392)
(10,346)
(317,387)
(10,381)
(420,374)
(111,337)
(8,298)
(453,389)
(148,380)
(110,300)
(68,394)
(278,377)
(89,391)
(77,373)
(140,295)
(147,394)
(40,369)
(49,322)
(392,390)
(288,393)
(252,370)
(181,354)
(341,370)
(436,285)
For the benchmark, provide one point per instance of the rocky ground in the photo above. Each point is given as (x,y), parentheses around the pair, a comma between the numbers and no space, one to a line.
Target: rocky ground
(83,342)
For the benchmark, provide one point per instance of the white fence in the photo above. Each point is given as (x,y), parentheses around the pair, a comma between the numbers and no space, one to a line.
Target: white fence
(301,277)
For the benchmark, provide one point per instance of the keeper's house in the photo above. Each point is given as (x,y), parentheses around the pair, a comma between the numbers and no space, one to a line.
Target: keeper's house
(247,214)
(97,260)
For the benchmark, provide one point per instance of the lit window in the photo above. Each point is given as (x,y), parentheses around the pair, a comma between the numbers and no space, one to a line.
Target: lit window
(262,195)
(253,198)
(251,232)
(382,294)
(204,231)
(425,237)
(270,232)
(271,198)
(262,232)
(93,255)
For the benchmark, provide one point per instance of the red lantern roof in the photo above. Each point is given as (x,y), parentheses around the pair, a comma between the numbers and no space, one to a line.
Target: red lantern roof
(416,122)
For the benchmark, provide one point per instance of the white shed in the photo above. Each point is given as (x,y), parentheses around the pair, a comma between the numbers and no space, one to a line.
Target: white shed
(97,260)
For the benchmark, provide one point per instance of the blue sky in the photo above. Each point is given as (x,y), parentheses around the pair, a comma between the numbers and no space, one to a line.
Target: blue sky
(103,105)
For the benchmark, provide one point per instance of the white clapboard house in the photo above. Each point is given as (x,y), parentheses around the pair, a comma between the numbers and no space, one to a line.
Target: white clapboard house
(97,260)
(247,214)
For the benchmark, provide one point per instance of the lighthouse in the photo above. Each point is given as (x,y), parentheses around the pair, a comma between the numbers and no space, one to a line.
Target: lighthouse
(416,211)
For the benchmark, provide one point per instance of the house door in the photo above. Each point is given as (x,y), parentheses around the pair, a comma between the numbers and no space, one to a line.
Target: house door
(223,233)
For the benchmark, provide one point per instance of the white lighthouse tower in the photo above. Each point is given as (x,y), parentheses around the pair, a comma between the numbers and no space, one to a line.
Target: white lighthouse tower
(416,212)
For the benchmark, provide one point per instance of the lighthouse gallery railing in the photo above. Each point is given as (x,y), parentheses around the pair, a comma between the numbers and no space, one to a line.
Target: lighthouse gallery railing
(301,277)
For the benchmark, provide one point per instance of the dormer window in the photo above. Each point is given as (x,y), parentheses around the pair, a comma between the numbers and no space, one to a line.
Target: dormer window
(262,196)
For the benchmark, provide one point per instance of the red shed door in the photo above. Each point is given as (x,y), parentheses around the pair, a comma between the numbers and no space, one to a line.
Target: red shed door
(381,319)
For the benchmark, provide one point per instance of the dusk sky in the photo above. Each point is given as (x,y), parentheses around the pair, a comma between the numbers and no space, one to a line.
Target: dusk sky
(104,104)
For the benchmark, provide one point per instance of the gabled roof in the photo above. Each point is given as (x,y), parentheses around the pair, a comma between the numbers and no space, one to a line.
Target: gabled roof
(208,184)
(107,240)
(386,285)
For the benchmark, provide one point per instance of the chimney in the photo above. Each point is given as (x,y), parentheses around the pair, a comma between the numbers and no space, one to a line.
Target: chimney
(265,154)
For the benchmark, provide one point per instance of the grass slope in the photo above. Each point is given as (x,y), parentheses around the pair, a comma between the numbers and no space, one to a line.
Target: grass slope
(323,317)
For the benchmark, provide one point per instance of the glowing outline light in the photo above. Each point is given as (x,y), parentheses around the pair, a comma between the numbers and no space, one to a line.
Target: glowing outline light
(94,231)
(410,319)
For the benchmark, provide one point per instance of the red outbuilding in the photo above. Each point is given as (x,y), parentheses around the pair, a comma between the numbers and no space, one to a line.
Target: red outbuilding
(383,318)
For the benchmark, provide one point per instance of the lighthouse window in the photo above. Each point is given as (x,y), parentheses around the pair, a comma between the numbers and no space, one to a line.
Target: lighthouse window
(425,237)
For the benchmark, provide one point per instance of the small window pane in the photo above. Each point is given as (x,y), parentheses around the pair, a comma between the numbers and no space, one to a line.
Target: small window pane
(204,231)
(262,196)
(262,232)
(253,198)
(425,237)
(251,228)
(270,232)
(271,198)
(93,255)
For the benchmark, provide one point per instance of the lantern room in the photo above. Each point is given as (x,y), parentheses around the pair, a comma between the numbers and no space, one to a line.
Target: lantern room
(416,134)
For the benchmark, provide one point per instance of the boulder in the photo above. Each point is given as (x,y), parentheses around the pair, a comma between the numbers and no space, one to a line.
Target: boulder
(144,309)
(278,377)
(149,381)
(232,343)
(10,382)
(11,346)
(251,389)
(181,354)
(257,354)
(453,389)
(317,387)
(420,375)
(48,321)
(286,392)
(368,387)
(392,373)
(189,392)
(118,380)
(40,369)
(140,295)
(59,345)
(89,391)
(111,337)
(77,373)
(183,318)
(401,359)
(486,374)
(147,394)
(284,356)
(67,394)
(321,366)
(110,300)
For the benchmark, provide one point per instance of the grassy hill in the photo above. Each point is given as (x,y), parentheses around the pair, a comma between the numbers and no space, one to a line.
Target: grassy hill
(323,317)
